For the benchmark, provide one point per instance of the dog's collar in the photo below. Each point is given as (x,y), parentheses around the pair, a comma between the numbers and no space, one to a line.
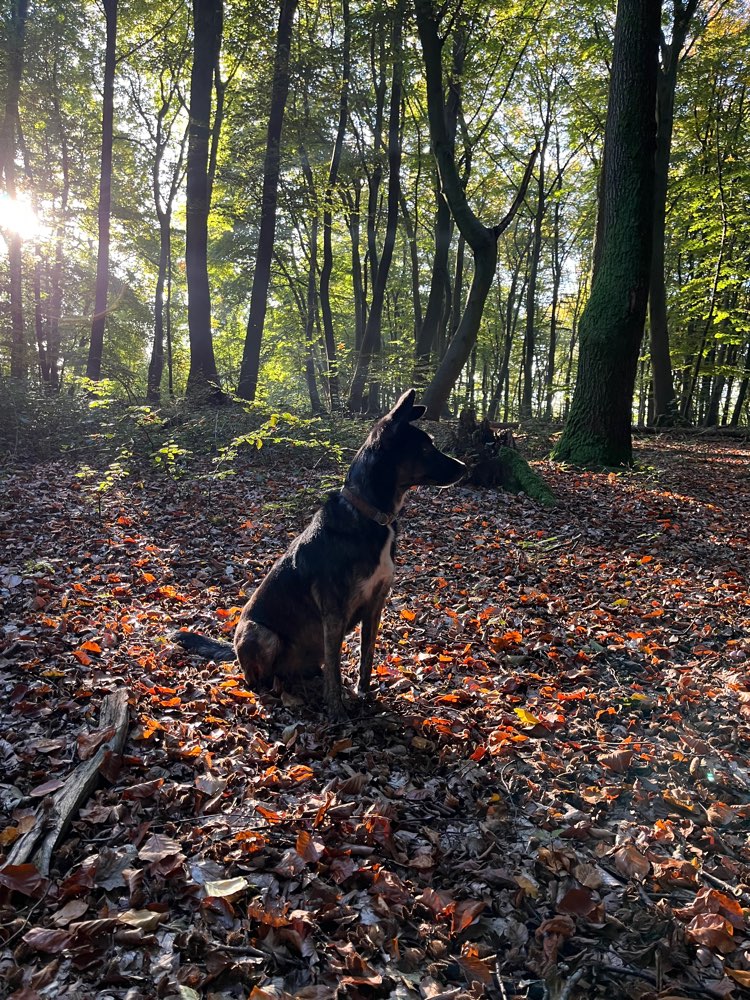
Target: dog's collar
(378,516)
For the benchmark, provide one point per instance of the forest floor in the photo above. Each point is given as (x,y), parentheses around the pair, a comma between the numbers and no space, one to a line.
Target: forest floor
(549,797)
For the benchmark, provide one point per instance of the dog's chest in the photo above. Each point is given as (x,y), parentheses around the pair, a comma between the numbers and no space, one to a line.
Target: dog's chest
(381,576)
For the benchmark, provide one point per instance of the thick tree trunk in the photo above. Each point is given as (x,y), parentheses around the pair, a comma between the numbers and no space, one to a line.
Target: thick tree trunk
(333,173)
(598,432)
(372,335)
(271,168)
(665,407)
(481,239)
(8,145)
(96,343)
(203,378)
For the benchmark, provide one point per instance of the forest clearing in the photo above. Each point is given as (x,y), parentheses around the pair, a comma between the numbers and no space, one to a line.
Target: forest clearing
(549,797)
(233,234)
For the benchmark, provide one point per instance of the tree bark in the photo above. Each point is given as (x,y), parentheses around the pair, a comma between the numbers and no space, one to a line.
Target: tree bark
(249,371)
(557,265)
(481,239)
(371,338)
(598,432)
(333,172)
(8,145)
(440,281)
(529,341)
(665,407)
(353,222)
(203,378)
(742,392)
(163,210)
(56,282)
(96,343)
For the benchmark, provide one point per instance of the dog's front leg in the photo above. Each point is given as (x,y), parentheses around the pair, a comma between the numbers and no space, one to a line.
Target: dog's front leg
(333,636)
(370,624)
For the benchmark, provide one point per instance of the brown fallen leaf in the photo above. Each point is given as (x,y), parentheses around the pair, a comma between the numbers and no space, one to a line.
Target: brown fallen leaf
(630,862)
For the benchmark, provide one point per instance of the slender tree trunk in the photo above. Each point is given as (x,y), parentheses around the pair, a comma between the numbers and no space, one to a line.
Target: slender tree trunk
(742,393)
(481,239)
(156,365)
(8,134)
(56,279)
(333,173)
(271,168)
(439,293)
(556,279)
(598,432)
(372,335)
(311,311)
(96,343)
(512,311)
(353,222)
(665,408)
(529,342)
(203,378)
(411,234)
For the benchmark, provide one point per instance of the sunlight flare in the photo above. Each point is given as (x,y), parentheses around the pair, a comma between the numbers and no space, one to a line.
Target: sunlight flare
(18,218)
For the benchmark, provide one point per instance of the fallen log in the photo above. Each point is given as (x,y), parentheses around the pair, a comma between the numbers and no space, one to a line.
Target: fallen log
(56,812)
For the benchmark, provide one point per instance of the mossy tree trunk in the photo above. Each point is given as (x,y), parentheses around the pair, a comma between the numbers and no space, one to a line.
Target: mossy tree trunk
(598,432)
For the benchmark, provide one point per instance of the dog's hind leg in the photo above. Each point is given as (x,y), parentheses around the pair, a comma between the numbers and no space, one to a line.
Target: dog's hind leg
(370,624)
(257,649)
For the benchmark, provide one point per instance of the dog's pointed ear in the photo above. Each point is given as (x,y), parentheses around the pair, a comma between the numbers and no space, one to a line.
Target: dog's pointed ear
(405,410)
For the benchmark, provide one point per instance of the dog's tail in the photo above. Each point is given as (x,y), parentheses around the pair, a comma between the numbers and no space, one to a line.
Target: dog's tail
(201,645)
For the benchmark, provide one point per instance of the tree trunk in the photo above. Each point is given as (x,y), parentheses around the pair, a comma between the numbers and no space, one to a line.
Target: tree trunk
(440,281)
(481,239)
(156,365)
(353,222)
(598,432)
(512,312)
(665,408)
(271,168)
(14,72)
(529,341)
(310,314)
(203,378)
(96,343)
(742,393)
(556,279)
(371,339)
(333,173)
(56,279)
(411,234)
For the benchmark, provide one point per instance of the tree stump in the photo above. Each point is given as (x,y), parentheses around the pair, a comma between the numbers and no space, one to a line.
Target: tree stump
(493,460)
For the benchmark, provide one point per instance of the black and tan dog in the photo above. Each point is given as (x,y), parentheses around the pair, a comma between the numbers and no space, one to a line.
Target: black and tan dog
(338,572)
